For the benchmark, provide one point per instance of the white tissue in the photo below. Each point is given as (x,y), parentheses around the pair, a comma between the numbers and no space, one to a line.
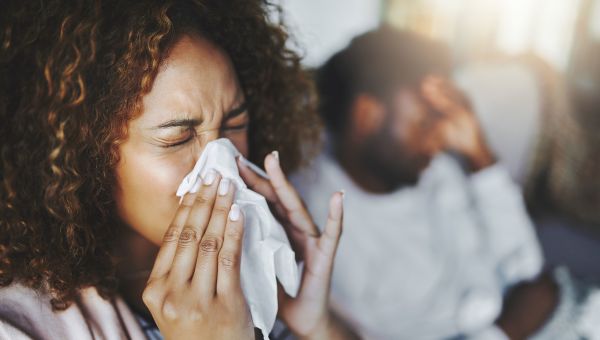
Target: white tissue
(266,253)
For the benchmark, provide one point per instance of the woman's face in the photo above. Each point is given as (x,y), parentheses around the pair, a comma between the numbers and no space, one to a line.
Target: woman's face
(195,98)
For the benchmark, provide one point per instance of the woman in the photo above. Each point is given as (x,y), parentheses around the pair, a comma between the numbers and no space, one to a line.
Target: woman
(106,106)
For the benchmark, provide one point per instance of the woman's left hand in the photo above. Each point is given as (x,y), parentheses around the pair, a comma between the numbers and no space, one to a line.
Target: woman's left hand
(308,314)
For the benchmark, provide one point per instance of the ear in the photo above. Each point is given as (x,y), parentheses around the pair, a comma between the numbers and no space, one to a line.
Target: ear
(367,114)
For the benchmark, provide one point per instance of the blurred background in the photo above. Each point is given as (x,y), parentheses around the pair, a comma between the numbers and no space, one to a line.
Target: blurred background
(565,33)
(531,69)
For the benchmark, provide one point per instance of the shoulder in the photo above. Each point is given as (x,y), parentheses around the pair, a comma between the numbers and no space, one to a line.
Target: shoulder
(29,312)
(23,310)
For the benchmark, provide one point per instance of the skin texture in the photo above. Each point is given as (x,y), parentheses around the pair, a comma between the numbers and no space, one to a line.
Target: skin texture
(196,82)
(194,286)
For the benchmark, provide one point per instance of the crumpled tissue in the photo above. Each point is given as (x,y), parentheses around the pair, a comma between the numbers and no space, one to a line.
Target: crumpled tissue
(266,251)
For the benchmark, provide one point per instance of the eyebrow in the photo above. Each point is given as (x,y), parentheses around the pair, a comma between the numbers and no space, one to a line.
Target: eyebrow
(179,122)
(195,122)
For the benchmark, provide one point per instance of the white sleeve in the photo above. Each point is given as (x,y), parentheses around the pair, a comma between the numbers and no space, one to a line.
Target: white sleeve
(491,333)
(513,240)
(577,314)
(10,332)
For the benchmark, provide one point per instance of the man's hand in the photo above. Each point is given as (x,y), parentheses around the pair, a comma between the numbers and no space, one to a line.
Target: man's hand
(457,128)
(528,306)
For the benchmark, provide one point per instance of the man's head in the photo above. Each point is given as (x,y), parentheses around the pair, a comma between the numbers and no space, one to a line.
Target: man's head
(372,103)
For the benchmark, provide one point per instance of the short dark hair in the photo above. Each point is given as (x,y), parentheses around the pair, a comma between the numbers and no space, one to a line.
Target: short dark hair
(376,63)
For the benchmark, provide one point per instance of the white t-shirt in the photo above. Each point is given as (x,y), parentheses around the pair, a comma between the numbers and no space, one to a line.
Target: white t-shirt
(429,261)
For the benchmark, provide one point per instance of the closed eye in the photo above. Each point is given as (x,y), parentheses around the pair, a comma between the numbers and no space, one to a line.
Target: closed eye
(185,141)
(190,135)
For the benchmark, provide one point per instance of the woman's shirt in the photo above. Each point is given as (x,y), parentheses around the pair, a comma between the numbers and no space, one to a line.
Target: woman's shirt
(279,332)
(27,314)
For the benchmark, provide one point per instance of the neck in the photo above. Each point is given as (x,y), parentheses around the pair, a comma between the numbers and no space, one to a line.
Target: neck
(350,160)
(137,256)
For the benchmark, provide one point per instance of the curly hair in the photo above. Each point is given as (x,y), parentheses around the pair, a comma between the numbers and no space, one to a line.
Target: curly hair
(72,74)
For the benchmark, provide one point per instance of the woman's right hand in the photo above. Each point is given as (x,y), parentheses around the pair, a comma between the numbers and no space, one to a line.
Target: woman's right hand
(194,289)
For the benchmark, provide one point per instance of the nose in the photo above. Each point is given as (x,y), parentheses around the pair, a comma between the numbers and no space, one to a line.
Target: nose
(201,140)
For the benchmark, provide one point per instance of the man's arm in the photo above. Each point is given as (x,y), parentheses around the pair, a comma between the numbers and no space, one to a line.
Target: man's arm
(528,306)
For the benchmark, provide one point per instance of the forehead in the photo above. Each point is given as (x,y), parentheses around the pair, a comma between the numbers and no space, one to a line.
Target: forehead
(196,79)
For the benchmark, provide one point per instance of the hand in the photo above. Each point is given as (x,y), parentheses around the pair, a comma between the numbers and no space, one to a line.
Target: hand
(528,306)
(457,129)
(194,289)
(307,315)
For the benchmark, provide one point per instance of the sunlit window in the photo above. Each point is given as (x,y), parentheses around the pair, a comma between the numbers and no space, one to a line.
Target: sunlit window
(475,27)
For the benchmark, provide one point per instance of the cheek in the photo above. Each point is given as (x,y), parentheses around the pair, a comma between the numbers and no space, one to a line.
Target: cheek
(147,184)
(240,140)
(146,197)
(410,125)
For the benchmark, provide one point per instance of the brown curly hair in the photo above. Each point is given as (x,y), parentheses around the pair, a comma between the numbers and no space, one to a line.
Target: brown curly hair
(72,74)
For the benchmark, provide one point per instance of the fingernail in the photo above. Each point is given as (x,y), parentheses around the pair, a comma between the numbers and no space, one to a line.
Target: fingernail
(224,187)
(210,177)
(276,155)
(343,193)
(234,213)
(242,161)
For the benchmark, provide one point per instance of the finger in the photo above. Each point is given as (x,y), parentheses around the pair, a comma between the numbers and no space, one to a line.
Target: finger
(228,277)
(433,91)
(263,186)
(198,217)
(317,276)
(330,238)
(164,259)
(452,91)
(205,276)
(296,212)
(256,182)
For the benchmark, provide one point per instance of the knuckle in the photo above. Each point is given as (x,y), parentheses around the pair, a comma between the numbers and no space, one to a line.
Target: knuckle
(188,236)
(228,261)
(234,234)
(187,203)
(211,244)
(151,295)
(196,314)
(203,199)
(172,234)
(221,209)
(169,309)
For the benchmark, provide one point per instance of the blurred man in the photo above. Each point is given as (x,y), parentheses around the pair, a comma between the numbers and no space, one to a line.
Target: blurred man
(435,233)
